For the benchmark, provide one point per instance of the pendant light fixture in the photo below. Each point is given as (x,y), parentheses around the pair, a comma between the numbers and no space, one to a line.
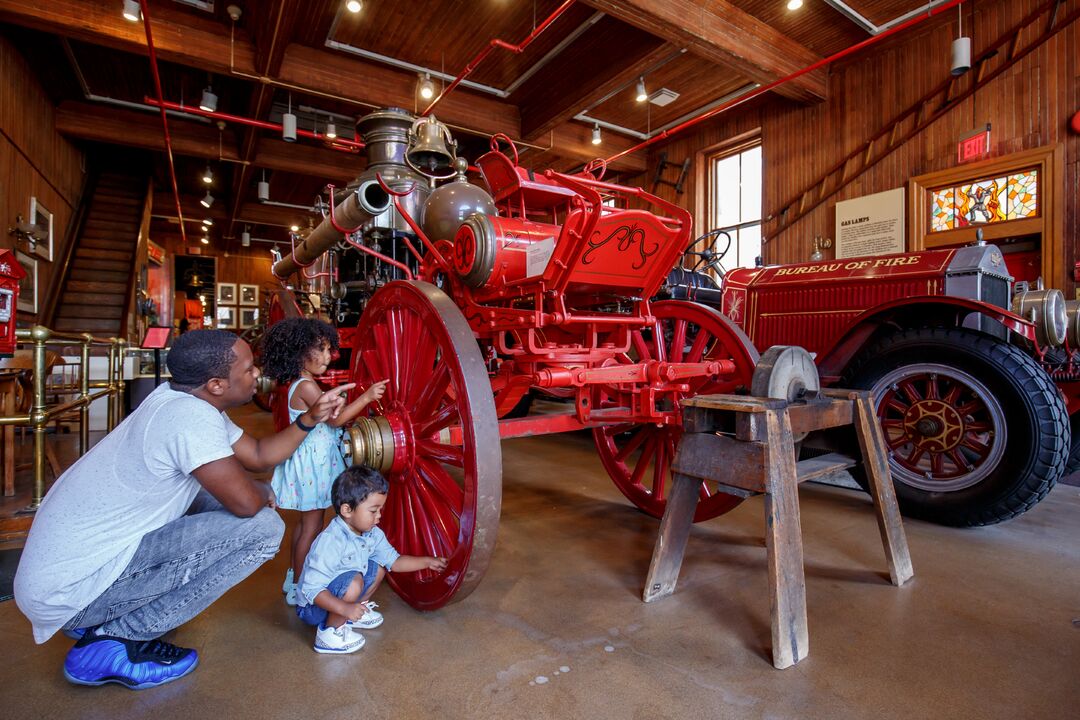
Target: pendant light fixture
(288,124)
(641,95)
(961,46)
(596,138)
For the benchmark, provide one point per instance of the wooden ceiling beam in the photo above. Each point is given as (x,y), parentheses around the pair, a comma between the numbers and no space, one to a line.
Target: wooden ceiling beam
(87,121)
(549,101)
(720,32)
(250,213)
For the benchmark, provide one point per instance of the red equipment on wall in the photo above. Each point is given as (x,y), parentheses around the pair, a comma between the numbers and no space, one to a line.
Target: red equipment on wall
(11,272)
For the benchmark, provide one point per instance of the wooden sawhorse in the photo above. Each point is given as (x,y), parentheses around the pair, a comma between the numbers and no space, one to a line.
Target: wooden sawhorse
(760,459)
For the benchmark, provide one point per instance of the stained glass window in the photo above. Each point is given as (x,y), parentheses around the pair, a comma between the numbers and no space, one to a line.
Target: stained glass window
(990,200)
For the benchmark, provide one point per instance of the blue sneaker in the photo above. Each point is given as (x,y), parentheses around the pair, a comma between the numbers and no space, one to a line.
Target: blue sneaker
(74,633)
(136,664)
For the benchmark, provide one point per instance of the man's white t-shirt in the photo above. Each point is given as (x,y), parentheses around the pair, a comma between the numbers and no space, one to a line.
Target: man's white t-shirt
(134,481)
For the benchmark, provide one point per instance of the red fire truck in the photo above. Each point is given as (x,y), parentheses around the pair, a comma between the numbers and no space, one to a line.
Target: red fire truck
(965,387)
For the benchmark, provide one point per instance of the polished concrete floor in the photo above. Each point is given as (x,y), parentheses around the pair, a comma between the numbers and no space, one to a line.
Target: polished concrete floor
(988,628)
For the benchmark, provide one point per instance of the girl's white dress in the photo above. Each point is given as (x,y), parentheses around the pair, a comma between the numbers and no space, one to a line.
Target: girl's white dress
(303,481)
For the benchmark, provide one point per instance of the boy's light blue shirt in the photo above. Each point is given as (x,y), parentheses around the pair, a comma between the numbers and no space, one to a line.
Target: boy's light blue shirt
(338,550)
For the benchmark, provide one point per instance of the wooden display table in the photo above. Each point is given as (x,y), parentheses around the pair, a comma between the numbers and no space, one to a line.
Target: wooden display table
(760,460)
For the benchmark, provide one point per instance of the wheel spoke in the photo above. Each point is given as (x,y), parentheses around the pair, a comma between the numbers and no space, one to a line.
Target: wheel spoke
(450,454)
(697,350)
(979,426)
(433,393)
(444,522)
(443,418)
(423,368)
(678,341)
(916,455)
(639,436)
(909,389)
(958,460)
(981,448)
(643,461)
(893,402)
(638,343)
(933,392)
(660,466)
(937,466)
(953,395)
(658,344)
(451,494)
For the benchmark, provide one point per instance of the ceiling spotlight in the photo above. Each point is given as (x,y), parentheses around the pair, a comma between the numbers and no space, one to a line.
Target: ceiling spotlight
(207,222)
(794,4)
(264,188)
(331,130)
(642,95)
(208,102)
(132,11)
(207,201)
(354,6)
(596,139)
(245,237)
(204,240)
(295,228)
(208,176)
(426,87)
(288,127)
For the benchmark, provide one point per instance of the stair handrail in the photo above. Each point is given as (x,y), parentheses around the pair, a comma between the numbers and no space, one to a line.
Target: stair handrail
(71,236)
(139,259)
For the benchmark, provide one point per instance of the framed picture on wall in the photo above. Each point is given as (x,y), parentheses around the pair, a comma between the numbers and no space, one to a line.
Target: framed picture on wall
(226,294)
(42,220)
(28,286)
(249,317)
(226,317)
(249,294)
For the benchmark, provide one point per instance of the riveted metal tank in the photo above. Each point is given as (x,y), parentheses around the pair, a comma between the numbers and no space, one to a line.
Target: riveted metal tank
(386,138)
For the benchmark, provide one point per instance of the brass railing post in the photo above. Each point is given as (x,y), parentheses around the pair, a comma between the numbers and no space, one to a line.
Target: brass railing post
(38,417)
(84,388)
(111,411)
(121,354)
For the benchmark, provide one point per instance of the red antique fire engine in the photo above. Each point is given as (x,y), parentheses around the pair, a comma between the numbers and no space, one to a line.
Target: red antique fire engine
(547,288)
(962,368)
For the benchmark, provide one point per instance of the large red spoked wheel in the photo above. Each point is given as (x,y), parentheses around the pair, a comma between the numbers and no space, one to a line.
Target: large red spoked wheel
(444,498)
(638,457)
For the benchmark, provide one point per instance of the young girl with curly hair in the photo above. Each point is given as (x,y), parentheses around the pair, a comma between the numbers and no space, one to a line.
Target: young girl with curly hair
(294,352)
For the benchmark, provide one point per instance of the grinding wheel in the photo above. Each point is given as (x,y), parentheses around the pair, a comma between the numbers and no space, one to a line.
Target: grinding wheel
(785,372)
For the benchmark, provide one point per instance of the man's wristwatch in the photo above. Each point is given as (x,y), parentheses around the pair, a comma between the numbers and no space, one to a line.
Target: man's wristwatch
(302,426)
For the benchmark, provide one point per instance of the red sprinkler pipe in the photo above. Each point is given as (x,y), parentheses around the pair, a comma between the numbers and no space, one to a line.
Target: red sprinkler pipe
(492,44)
(798,73)
(164,119)
(194,110)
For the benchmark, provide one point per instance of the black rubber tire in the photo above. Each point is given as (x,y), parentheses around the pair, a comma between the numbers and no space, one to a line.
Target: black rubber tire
(1074,451)
(1038,433)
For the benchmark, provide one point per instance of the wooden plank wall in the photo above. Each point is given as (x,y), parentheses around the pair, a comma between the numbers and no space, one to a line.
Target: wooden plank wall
(1028,106)
(35,161)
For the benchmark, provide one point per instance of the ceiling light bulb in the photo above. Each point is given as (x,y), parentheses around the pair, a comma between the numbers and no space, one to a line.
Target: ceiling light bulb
(295,228)
(596,139)
(204,240)
(208,103)
(132,11)
(641,96)
(245,239)
(208,200)
(331,130)
(427,88)
(207,221)
(208,176)
(354,6)
(794,4)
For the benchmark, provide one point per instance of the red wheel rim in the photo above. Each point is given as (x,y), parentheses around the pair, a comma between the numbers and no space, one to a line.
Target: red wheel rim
(638,457)
(444,499)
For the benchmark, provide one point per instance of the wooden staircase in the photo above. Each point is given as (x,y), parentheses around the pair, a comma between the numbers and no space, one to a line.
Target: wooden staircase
(96,289)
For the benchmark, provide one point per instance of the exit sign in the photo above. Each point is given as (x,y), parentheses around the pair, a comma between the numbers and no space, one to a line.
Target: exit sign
(974,146)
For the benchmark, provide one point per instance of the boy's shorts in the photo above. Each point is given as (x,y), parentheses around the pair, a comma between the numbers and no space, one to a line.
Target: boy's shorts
(314,615)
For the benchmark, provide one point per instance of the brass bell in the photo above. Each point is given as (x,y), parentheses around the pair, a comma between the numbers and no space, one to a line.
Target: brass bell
(431,148)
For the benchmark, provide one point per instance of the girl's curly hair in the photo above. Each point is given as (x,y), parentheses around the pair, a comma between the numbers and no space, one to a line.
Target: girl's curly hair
(288,343)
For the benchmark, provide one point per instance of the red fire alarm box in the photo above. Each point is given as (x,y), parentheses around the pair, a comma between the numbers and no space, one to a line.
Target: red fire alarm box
(11,272)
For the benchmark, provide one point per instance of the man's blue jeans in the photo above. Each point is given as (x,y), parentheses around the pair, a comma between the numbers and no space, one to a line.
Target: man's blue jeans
(181,568)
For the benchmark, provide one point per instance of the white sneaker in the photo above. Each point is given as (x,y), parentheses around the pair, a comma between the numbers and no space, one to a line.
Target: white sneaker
(337,641)
(290,596)
(289,582)
(370,619)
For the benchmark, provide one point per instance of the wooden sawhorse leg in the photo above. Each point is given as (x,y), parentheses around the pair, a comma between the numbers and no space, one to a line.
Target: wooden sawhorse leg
(670,545)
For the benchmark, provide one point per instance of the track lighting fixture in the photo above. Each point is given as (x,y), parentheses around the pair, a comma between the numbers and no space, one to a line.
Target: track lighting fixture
(132,11)
(426,88)
(641,95)
(288,124)
(331,130)
(596,139)
(208,103)
(354,6)
(264,189)
(208,176)
(208,200)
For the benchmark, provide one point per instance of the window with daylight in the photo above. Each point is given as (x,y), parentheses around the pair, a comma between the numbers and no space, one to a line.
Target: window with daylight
(990,200)
(735,202)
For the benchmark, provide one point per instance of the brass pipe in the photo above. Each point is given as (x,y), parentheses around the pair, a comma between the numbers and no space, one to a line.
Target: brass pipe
(121,352)
(15,420)
(84,382)
(111,410)
(38,416)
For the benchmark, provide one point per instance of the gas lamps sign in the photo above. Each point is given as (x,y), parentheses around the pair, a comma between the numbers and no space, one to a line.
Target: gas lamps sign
(975,145)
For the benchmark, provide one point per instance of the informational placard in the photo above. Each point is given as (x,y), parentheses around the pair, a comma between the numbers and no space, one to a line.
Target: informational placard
(871,225)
